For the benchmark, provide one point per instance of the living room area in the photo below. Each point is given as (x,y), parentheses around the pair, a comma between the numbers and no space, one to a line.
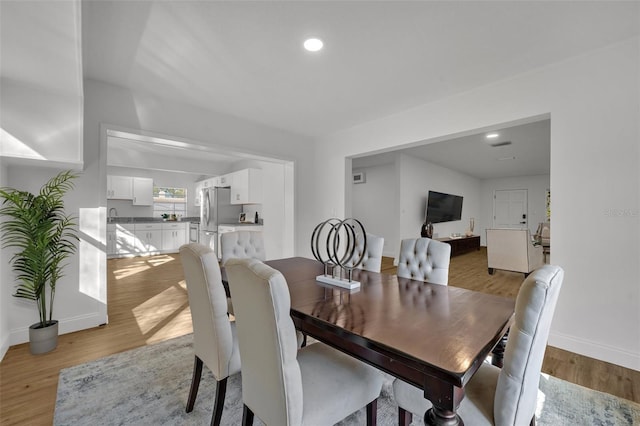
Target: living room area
(500,175)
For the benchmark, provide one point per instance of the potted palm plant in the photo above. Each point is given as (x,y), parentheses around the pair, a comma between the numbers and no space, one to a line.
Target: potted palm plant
(43,237)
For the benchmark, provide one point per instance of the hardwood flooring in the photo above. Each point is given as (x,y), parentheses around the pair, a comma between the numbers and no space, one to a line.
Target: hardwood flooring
(148,304)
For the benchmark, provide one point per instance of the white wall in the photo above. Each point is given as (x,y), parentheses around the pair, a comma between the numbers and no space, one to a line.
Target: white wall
(78,302)
(81,300)
(275,209)
(40,124)
(536,187)
(399,193)
(418,177)
(380,190)
(593,101)
(5,277)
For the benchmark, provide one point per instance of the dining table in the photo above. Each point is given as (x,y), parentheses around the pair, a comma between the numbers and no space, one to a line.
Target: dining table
(432,336)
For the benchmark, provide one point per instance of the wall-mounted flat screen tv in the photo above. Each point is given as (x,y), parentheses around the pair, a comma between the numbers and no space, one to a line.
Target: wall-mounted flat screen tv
(443,207)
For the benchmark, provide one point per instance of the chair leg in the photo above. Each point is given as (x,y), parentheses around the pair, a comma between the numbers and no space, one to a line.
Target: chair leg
(533,421)
(404,417)
(372,413)
(247,416)
(218,406)
(491,271)
(195,383)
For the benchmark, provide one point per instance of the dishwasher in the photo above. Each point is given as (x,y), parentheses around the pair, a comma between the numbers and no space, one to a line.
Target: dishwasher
(194,232)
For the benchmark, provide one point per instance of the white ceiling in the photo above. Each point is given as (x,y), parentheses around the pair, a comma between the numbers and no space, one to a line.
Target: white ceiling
(245,58)
(527,154)
(380,57)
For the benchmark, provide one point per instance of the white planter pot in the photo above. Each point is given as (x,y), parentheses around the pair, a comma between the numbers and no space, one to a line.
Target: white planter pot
(43,339)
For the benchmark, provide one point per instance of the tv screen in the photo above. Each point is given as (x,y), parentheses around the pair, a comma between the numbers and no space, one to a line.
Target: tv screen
(443,207)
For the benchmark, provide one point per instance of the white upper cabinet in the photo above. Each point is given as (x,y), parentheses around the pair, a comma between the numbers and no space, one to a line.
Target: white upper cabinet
(119,187)
(142,191)
(246,186)
(225,180)
(210,183)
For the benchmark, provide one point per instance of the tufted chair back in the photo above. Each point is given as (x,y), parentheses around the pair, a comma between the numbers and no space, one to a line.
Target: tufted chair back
(242,245)
(517,389)
(372,259)
(424,259)
(271,379)
(213,334)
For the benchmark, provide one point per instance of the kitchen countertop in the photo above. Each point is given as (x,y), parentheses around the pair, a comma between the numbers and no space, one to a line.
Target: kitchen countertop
(149,220)
(241,224)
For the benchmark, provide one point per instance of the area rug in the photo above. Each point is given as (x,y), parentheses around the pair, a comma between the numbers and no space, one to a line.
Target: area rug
(149,386)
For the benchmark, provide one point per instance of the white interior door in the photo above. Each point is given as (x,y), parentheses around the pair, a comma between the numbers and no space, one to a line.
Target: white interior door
(510,209)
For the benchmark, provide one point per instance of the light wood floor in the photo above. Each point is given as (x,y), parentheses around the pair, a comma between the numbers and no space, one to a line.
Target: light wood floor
(148,304)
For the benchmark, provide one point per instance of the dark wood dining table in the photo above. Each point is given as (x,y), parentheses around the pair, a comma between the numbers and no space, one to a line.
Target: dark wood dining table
(432,336)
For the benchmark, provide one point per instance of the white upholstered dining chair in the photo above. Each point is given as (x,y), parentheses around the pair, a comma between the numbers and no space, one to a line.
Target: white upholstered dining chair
(372,259)
(281,385)
(242,245)
(214,337)
(507,396)
(424,259)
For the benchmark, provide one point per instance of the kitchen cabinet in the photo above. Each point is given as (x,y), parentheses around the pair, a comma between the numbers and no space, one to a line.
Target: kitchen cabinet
(173,236)
(148,238)
(121,240)
(225,180)
(246,186)
(111,240)
(119,187)
(142,191)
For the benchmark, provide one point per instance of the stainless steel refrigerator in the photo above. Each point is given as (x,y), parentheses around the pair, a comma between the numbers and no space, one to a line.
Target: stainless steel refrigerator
(216,208)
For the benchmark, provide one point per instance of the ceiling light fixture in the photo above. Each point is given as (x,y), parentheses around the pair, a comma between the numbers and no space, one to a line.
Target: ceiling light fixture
(313,44)
(492,135)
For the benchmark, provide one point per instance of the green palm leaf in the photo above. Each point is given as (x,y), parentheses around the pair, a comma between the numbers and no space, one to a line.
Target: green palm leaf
(42,237)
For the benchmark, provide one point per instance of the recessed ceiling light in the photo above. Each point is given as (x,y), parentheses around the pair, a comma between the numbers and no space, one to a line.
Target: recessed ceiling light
(313,44)
(492,135)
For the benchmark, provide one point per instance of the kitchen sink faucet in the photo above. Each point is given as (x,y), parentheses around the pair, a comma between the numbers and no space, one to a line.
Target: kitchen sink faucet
(112,210)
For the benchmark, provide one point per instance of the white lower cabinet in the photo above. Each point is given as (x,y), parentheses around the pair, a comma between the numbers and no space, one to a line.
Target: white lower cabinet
(142,239)
(148,238)
(173,236)
(121,239)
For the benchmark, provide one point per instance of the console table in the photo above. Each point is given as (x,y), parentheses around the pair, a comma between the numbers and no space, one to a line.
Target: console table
(462,244)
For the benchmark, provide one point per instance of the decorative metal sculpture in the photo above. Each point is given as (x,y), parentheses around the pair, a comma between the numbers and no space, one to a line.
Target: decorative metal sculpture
(340,238)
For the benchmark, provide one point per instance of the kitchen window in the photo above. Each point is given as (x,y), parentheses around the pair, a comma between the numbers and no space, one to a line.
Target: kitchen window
(169,201)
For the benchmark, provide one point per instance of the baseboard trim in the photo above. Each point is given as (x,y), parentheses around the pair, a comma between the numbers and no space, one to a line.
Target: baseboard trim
(67,325)
(595,350)
(4,347)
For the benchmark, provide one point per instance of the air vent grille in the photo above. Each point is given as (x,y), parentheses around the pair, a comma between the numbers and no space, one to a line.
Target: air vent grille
(497,144)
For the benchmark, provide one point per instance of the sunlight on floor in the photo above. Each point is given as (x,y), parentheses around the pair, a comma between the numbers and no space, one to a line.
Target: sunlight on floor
(130,270)
(159,260)
(541,397)
(160,308)
(142,265)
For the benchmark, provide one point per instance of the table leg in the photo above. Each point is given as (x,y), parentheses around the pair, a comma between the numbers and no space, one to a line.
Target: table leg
(445,399)
(437,416)
(497,354)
